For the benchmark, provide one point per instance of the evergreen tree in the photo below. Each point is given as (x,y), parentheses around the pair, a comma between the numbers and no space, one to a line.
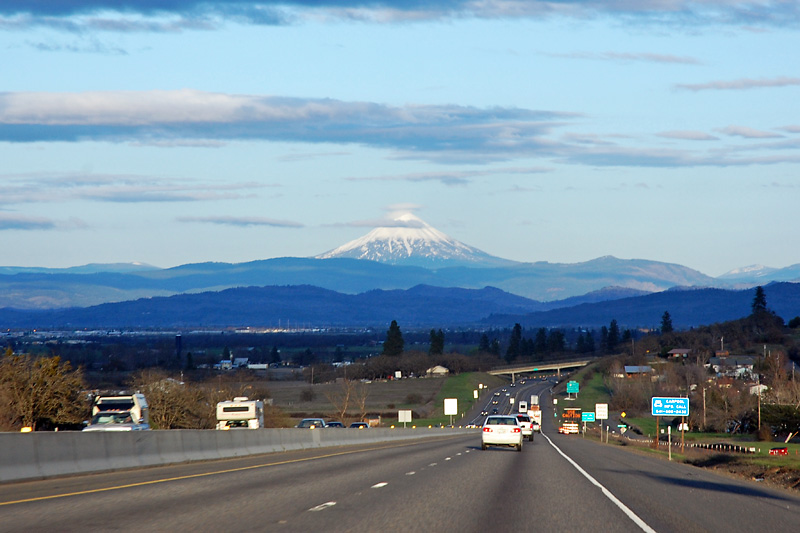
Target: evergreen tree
(588,343)
(604,340)
(580,344)
(613,334)
(483,345)
(274,356)
(666,323)
(437,342)
(760,301)
(555,341)
(513,344)
(394,344)
(540,342)
(495,348)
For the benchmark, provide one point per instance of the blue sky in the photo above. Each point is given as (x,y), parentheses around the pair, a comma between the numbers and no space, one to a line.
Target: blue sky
(180,131)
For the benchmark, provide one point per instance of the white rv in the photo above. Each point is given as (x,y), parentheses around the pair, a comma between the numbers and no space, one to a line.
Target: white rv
(240,413)
(119,413)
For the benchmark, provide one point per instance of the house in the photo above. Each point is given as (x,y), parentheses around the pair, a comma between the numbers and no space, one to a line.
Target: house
(734,366)
(638,371)
(437,371)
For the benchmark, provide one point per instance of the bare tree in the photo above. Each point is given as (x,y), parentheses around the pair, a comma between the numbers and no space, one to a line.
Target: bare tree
(341,397)
(40,391)
(361,392)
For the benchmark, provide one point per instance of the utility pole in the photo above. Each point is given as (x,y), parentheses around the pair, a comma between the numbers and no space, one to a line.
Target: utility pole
(704,408)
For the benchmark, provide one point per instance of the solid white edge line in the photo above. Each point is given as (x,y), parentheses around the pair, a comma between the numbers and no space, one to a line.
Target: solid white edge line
(624,508)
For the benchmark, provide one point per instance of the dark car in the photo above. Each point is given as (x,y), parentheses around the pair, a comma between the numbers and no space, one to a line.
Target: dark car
(334,425)
(311,423)
(359,425)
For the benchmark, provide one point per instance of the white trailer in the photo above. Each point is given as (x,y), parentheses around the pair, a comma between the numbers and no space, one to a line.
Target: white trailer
(523,406)
(240,413)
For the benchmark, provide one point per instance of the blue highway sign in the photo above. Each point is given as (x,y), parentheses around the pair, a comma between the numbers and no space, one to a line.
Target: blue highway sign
(670,406)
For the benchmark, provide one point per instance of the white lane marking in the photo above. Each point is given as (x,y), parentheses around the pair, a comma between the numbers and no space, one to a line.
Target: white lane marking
(624,508)
(459,453)
(433,464)
(322,506)
(446,458)
(379,485)
(410,473)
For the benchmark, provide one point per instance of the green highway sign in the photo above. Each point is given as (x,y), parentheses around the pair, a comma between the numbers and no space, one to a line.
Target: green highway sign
(573,387)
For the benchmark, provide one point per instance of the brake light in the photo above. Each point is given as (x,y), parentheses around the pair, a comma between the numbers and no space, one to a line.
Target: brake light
(517,430)
(487,430)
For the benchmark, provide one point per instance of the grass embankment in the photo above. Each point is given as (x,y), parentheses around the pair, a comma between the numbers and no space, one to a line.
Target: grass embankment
(758,465)
(460,387)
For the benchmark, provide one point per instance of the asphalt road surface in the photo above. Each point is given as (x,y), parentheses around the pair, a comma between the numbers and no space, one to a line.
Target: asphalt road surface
(439,484)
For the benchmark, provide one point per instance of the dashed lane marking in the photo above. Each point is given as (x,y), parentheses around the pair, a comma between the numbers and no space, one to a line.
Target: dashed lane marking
(322,507)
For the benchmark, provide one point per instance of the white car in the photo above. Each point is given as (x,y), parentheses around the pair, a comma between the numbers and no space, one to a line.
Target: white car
(527,425)
(501,430)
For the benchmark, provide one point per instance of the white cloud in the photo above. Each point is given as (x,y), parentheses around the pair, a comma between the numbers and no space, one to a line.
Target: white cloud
(242,221)
(740,84)
(748,133)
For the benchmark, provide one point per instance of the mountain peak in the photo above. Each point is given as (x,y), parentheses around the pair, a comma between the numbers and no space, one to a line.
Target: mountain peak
(407,239)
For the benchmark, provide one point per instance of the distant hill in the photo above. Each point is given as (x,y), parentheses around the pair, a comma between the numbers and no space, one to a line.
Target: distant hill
(538,281)
(687,308)
(420,306)
(299,305)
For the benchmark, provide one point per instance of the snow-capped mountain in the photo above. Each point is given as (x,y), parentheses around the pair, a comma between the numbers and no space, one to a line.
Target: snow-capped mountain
(748,272)
(408,240)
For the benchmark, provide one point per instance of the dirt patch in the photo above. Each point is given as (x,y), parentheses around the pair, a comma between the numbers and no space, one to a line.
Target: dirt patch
(781,477)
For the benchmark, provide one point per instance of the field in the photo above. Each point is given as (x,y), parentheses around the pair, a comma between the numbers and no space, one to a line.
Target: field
(424,396)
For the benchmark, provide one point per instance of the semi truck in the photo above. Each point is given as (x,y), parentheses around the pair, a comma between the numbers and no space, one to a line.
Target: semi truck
(128,412)
(240,413)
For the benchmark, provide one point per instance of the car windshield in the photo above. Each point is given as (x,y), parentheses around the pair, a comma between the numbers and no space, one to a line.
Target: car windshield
(112,418)
(309,423)
(523,418)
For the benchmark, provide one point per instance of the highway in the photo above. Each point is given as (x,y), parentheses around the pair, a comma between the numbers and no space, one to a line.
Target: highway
(447,484)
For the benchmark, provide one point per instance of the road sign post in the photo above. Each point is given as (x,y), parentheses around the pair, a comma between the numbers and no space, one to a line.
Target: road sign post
(667,406)
(573,387)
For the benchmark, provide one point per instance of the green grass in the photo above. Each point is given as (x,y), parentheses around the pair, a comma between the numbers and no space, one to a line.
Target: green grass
(460,387)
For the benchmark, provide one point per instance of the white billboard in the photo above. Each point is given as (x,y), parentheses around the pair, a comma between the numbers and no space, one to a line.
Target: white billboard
(451,406)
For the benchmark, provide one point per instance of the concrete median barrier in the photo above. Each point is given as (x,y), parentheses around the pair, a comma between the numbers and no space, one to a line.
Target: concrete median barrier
(42,455)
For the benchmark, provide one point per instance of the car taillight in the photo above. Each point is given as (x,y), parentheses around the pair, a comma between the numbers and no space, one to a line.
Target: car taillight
(487,430)
(517,430)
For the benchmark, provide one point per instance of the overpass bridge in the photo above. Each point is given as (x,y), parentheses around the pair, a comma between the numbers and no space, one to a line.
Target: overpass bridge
(539,368)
